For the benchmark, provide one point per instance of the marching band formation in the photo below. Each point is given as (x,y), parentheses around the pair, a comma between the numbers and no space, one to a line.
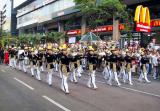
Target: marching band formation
(71,61)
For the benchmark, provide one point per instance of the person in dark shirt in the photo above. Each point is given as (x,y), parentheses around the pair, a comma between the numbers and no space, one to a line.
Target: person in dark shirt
(73,66)
(92,59)
(39,62)
(1,55)
(113,66)
(65,61)
(49,60)
(128,60)
(144,60)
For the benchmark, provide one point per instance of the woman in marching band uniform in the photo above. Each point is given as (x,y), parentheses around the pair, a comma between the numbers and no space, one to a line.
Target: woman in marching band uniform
(32,58)
(49,61)
(128,59)
(122,64)
(113,66)
(73,65)
(144,61)
(26,59)
(79,62)
(92,58)
(39,62)
(65,61)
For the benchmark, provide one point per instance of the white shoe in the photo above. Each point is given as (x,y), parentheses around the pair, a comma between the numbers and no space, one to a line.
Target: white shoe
(88,85)
(95,87)
(131,83)
(109,83)
(119,84)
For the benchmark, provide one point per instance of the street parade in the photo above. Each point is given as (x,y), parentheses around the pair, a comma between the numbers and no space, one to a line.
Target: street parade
(73,60)
(79,55)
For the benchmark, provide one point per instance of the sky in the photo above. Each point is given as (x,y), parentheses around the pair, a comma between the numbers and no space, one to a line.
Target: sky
(16,3)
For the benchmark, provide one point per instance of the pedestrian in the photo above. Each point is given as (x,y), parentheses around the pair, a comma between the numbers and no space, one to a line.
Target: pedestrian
(6,57)
(1,55)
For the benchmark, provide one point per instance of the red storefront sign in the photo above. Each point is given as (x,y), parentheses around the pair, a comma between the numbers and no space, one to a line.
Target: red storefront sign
(74,32)
(155,23)
(143,27)
(99,29)
(107,28)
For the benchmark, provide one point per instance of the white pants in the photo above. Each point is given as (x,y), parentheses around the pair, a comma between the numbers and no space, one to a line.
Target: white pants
(64,84)
(115,76)
(122,73)
(56,67)
(92,80)
(42,67)
(33,68)
(49,76)
(20,65)
(11,62)
(128,76)
(38,75)
(143,75)
(73,77)
(106,72)
(79,71)
(24,67)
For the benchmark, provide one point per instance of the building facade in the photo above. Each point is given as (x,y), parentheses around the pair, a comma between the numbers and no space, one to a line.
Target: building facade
(41,16)
(8,20)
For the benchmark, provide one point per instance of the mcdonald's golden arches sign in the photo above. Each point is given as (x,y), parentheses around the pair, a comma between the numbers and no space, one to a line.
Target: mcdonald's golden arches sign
(142,19)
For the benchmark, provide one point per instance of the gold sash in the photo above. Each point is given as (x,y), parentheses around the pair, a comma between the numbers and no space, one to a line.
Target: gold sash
(72,65)
(144,68)
(114,67)
(128,67)
(78,63)
(64,70)
(49,65)
(91,67)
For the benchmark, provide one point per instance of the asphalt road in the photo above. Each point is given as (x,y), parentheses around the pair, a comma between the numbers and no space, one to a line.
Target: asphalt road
(21,92)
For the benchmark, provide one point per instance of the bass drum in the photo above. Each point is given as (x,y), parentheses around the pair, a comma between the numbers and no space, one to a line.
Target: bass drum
(26,61)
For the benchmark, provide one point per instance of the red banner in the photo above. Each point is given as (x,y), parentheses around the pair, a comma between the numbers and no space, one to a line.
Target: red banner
(143,27)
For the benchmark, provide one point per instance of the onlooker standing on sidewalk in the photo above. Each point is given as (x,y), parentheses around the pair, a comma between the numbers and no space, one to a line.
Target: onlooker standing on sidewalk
(155,64)
(1,55)
(6,57)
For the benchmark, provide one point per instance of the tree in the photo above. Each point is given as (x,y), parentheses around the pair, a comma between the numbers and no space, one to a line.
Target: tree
(55,36)
(98,11)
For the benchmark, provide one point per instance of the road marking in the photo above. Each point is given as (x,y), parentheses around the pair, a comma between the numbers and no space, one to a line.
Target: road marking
(143,92)
(55,103)
(3,70)
(31,88)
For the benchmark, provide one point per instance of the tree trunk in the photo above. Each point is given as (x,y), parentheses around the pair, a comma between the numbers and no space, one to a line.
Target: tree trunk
(83,25)
(116,32)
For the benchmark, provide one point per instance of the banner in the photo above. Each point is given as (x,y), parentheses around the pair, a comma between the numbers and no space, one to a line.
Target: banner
(142,19)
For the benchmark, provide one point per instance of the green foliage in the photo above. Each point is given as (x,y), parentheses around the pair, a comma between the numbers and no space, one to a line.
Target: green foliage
(98,11)
(55,36)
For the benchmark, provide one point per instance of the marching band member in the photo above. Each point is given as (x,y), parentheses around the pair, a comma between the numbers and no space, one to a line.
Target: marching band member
(39,63)
(49,61)
(33,61)
(73,66)
(65,61)
(26,59)
(12,57)
(144,61)
(122,64)
(128,60)
(20,57)
(92,64)
(79,62)
(113,67)
(106,72)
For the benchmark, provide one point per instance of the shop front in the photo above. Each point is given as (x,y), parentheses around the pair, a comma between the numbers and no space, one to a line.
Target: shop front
(104,32)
